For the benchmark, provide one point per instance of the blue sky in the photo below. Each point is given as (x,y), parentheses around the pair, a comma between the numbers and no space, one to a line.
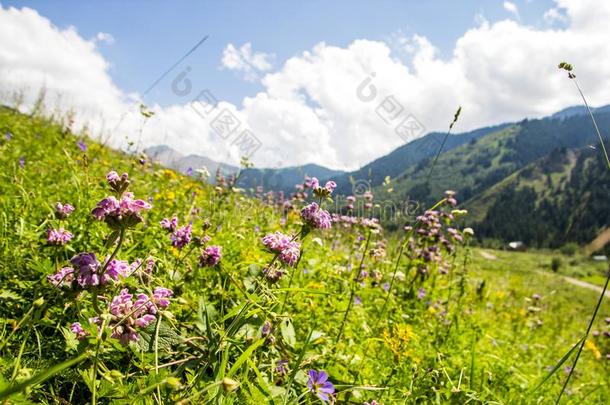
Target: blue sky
(149,36)
(291,74)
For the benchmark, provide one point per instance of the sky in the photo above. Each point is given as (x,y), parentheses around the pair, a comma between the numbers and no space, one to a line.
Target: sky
(288,83)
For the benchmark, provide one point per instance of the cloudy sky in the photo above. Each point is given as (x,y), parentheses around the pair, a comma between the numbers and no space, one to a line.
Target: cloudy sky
(289,83)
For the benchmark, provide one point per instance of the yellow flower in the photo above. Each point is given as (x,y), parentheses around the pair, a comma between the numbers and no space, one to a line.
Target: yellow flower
(589,345)
(398,340)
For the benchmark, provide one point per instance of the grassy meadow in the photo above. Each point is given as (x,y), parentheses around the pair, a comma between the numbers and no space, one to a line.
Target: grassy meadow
(247,323)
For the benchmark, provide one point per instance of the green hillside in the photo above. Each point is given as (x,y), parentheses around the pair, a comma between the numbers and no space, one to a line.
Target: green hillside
(498,169)
(390,317)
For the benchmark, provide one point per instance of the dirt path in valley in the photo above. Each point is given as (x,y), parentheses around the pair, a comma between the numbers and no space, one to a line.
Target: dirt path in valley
(571,280)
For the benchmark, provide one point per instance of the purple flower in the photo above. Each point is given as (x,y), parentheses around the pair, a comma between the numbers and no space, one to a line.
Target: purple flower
(63,278)
(210,256)
(8,135)
(282,368)
(266,329)
(58,237)
(318,384)
(288,250)
(21,162)
(127,315)
(373,402)
(181,236)
(150,263)
(78,330)
(116,268)
(189,171)
(316,217)
(161,296)
(112,177)
(169,225)
(88,270)
(81,144)
(421,293)
(62,211)
(386,287)
(123,213)
(273,273)
(357,300)
(536,297)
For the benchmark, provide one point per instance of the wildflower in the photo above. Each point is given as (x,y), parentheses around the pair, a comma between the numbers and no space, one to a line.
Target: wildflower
(78,330)
(316,217)
(126,316)
(150,263)
(325,191)
(8,135)
(318,384)
(181,236)
(421,293)
(536,297)
(120,213)
(281,367)
(386,287)
(82,145)
(357,300)
(373,402)
(450,196)
(169,225)
(64,277)
(88,270)
(288,250)
(62,211)
(161,296)
(210,256)
(58,237)
(21,162)
(273,273)
(116,182)
(266,329)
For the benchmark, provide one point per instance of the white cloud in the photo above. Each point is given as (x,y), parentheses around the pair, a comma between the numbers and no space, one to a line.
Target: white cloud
(511,8)
(245,61)
(308,110)
(105,38)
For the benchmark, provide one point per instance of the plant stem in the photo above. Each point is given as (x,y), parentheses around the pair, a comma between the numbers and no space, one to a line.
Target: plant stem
(599,135)
(355,276)
(599,302)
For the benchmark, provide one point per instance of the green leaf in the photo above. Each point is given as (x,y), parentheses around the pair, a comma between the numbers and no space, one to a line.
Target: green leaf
(167,337)
(288,333)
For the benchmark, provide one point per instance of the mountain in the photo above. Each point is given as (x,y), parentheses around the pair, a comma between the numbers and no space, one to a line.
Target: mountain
(182,163)
(405,156)
(556,199)
(283,179)
(522,181)
(541,181)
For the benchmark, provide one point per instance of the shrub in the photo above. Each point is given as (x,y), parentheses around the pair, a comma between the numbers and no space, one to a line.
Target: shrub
(555,264)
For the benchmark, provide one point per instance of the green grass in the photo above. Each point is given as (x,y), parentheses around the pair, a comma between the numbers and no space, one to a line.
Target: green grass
(478,336)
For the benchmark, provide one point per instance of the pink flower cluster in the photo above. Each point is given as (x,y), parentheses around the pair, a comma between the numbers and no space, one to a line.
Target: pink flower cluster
(125,212)
(169,225)
(181,236)
(116,182)
(129,315)
(210,256)
(319,191)
(78,330)
(58,237)
(287,249)
(316,217)
(62,211)
(87,271)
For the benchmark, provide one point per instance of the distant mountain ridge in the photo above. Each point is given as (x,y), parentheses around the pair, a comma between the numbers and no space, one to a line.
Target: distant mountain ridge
(515,178)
